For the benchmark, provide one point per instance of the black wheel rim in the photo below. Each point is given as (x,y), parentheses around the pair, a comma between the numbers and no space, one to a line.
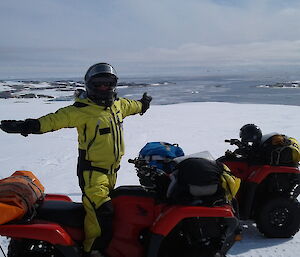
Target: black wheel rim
(280,217)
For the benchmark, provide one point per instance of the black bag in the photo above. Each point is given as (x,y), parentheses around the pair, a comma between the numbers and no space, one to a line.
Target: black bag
(196,179)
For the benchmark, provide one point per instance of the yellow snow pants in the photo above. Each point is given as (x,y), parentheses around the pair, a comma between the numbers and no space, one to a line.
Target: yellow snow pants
(97,187)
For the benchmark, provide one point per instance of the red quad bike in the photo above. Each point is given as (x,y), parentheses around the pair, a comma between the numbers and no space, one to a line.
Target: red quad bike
(268,194)
(145,225)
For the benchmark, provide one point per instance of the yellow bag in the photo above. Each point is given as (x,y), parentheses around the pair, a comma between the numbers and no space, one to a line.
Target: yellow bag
(286,151)
(230,183)
(295,149)
(18,195)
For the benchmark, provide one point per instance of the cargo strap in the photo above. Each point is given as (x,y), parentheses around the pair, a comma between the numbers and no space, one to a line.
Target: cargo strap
(32,184)
(278,151)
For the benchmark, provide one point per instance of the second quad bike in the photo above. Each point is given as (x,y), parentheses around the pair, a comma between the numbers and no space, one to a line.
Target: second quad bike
(268,193)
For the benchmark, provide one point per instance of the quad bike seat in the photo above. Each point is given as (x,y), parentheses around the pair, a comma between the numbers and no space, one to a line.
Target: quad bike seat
(137,191)
(69,214)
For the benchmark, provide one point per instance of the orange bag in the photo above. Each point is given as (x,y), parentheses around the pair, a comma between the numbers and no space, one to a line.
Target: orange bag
(19,194)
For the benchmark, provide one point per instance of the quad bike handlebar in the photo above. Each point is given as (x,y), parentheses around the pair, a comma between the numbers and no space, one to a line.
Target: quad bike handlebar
(243,149)
(143,168)
(151,177)
(236,142)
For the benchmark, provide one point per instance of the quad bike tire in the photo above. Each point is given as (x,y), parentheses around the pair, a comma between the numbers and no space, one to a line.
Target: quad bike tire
(278,217)
(31,248)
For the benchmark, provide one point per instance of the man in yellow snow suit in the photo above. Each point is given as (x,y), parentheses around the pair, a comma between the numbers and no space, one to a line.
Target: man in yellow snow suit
(98,115)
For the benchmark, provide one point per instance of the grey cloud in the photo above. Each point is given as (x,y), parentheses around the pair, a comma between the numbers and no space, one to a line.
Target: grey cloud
(270,53)
(67,36)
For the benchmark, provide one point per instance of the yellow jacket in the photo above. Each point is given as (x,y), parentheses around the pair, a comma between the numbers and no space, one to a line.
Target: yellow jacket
(100,132)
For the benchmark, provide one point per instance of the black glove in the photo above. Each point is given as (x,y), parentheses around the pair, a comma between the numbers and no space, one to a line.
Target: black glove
(146,99)
(24,128)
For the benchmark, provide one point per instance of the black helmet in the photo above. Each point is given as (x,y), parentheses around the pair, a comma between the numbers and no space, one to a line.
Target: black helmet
(100,83)
(250,133)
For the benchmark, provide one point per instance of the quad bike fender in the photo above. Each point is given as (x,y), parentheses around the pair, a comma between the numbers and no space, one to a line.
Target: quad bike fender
(173,215)
(57,197)
(259,173)
(49,232)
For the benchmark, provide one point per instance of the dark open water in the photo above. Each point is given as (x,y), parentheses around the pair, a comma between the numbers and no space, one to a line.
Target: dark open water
(212,89)
(223,88)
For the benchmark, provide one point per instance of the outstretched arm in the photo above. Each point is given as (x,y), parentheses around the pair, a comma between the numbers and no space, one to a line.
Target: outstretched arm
(66,117)
(63,118)
(130,107)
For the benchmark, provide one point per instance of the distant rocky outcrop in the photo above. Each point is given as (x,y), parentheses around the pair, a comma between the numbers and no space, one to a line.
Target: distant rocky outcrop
(5,94)
(30,88)
(24,89)
(27,96)
(282,85)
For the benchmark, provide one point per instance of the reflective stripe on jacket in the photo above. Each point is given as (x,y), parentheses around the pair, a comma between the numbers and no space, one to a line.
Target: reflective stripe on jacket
(100,132)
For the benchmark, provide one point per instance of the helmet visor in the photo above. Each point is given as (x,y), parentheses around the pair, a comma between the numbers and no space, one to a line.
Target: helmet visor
(103,83)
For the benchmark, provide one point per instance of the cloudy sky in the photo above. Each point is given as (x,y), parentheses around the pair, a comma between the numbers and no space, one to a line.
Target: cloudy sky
(61,38)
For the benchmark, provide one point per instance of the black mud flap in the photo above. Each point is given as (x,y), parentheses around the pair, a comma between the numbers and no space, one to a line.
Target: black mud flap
(229,236)
(69,251)
(154,245)
(246,205)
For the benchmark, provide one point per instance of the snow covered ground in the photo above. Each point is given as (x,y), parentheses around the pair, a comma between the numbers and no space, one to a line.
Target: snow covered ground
(194,126)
